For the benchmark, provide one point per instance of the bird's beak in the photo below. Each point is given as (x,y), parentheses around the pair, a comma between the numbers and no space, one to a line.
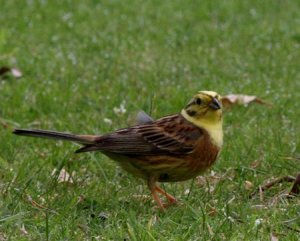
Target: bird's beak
(215,104)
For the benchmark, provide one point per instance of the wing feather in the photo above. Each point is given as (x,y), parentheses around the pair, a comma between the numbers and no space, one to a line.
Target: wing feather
(168,135)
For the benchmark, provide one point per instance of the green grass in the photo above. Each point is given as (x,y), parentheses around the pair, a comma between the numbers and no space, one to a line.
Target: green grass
(80,60)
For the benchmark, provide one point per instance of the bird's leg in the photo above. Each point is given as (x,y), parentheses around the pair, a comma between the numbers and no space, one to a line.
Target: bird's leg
(153,188)
(169,197)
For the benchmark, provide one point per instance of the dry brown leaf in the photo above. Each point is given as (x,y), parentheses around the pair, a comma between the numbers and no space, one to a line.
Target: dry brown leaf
(212,211)
(248,185)
(63,176)
(274,237)
(239,99)
(255,164)
(4,70)
(23,230)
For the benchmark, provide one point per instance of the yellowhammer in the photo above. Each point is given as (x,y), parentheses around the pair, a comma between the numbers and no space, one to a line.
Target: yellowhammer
(173,148)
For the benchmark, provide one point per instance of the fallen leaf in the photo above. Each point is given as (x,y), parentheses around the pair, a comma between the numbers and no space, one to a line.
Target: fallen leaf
(23,230)
(63,176)
(239,99)
(4,70)
(255,164)
(212,211)
(248,185)
(274,237)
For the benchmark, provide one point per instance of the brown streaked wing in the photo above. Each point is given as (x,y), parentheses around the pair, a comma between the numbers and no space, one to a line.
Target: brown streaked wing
(173,134)
(168,135)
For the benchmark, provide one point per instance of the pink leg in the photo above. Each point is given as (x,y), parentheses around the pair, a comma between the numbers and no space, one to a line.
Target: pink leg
(169,197)
(152,186)
(155,189)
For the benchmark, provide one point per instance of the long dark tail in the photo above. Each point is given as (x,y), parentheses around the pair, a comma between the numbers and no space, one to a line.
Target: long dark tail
(82,139)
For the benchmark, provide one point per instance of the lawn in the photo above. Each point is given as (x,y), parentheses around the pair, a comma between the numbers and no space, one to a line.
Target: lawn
(83,60)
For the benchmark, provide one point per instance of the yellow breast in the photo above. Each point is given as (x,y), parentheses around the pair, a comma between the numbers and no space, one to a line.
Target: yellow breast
(214,127)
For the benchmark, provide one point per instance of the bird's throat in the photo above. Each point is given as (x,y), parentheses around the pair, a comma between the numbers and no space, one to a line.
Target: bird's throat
(214,126)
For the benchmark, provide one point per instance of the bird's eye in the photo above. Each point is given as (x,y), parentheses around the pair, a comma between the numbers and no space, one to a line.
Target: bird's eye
(198,101)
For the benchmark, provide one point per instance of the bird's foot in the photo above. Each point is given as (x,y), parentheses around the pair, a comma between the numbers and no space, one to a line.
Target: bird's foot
(171,199)
(155,190)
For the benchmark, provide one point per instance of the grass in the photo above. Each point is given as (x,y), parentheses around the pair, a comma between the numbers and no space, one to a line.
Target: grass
(80,59)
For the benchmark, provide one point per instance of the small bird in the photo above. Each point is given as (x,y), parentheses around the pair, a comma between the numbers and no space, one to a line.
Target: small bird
(173,148)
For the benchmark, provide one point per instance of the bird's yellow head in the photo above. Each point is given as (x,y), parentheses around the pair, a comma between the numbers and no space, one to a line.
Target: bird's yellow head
(205,105)
(205,111)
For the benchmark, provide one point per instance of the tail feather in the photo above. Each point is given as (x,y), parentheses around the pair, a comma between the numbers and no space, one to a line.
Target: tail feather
(88,148)
(82,139)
